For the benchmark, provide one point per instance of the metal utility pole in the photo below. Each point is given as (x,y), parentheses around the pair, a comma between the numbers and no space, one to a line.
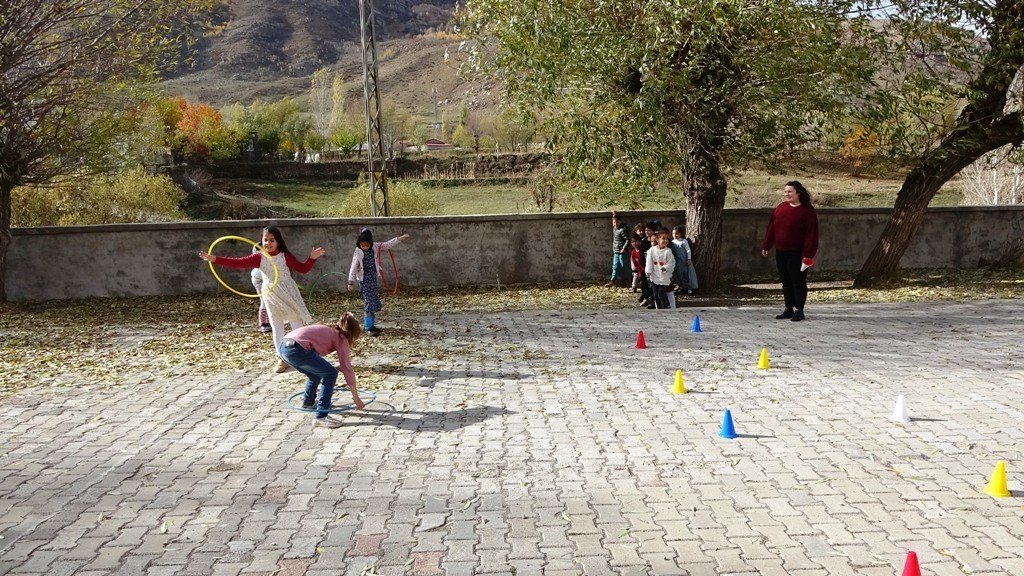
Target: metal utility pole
(376,157)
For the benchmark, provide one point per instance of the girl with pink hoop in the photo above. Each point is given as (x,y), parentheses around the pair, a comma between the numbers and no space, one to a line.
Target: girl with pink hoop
(365,269)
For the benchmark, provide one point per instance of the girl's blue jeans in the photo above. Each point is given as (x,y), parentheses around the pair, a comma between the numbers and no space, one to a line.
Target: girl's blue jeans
(318,372)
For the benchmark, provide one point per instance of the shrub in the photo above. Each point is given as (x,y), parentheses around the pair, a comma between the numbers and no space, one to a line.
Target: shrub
(404,199)
(130,196)
(859,149)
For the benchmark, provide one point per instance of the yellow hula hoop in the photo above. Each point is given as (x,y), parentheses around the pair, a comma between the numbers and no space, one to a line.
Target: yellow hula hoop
(254,245)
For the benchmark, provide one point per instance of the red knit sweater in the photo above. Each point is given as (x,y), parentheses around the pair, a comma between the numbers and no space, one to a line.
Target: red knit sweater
(793,228)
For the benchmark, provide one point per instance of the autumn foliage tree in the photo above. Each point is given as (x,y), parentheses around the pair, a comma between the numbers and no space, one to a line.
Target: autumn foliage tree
(859,149)
(202,132)
(69,77)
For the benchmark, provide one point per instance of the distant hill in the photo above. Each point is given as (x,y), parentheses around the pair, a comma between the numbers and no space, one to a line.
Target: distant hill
(269,48)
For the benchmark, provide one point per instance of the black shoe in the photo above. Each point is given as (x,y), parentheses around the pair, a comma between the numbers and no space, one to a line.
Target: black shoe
(797,316)
(641,298)
(308,406)
(264,328)
(374,331)
(787,314)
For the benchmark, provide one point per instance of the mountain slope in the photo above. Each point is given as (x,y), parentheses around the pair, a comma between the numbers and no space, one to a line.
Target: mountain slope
(268,49)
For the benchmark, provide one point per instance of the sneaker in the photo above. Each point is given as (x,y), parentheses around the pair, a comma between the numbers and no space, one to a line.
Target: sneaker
(787,314)
(308,405)
(609,284)
(327,422)
(797,316)
(373,331)
(282,367)
(265,328)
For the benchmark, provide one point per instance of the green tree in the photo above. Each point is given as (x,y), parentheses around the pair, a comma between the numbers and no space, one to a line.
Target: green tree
(321,99)
(630,91)
(338,115)
(462,138)
(346,136)
(69,71)
(277,125)
(965,55)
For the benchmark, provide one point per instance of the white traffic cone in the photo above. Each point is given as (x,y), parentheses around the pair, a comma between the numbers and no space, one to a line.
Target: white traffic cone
(899,414)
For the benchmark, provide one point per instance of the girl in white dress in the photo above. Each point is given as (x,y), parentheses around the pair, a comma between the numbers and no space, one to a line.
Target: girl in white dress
(282,299)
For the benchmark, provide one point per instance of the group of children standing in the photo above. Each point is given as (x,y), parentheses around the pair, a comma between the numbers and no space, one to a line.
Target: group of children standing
(303,347)
(661,262)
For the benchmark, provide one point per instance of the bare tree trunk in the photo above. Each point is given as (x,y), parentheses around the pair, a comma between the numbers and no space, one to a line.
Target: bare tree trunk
(956,152)
(705,200)
(5,234)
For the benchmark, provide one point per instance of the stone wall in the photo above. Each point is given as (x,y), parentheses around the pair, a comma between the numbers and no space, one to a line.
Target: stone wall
(155,259)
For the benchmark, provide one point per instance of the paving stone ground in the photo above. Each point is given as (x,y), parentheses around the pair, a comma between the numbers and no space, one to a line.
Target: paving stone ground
(546,443)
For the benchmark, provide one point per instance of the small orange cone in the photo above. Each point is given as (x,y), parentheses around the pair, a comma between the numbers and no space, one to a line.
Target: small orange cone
(762,362)
(911,567)
(996,487)
(679,387)
(640,342)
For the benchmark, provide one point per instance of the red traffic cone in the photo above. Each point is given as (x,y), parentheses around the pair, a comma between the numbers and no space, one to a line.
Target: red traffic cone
(640,342)
(911,567)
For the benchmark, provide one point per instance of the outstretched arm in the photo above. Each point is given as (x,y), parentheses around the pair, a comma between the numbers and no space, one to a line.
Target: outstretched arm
(303,267)
(393,242)
(246,262)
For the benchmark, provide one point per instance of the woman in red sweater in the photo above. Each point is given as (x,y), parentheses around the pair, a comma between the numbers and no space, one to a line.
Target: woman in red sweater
(793,231)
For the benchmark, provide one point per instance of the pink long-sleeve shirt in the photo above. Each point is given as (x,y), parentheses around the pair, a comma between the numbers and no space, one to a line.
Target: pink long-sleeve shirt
(324,339)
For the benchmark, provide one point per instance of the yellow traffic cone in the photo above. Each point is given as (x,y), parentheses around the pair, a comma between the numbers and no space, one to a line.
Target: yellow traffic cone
(996,487)
(680,386)
(762,362)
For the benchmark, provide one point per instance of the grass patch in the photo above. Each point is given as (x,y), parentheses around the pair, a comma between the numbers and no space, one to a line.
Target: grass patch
(300,197)
(747,189)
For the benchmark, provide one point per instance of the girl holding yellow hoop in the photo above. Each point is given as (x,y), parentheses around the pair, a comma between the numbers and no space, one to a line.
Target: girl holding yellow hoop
(279,292)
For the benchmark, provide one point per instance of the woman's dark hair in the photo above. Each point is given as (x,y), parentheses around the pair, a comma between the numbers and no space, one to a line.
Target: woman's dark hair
(364,236)
(805,196)
(273,231)
(653,225)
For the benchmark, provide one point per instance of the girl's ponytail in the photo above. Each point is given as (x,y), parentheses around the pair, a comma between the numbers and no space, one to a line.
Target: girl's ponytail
(350,327)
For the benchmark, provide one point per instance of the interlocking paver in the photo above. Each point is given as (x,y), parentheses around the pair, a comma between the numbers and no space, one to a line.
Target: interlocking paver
(545,442)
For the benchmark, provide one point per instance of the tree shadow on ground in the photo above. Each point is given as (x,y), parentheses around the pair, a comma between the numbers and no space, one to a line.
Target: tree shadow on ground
(420,421)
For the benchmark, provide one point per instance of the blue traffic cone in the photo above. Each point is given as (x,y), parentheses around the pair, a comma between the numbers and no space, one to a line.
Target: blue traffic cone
(696,324)
(728,429)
